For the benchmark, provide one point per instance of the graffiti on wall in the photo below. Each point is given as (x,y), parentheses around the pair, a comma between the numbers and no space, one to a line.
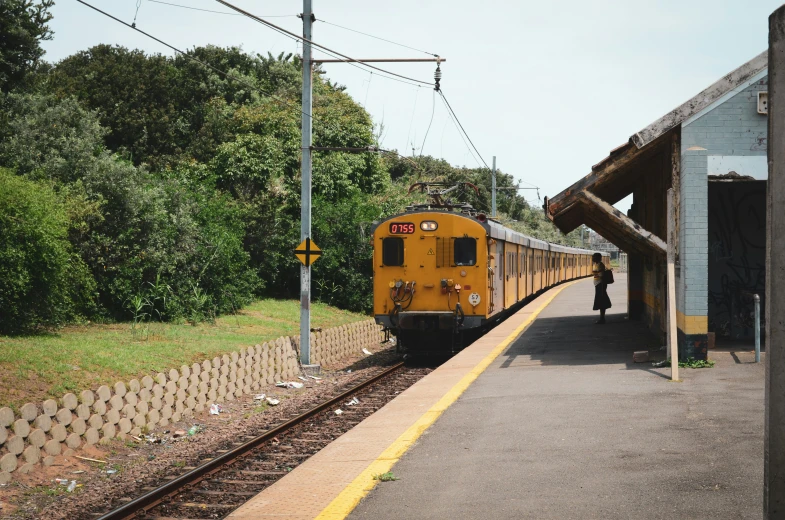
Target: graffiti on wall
(736,254)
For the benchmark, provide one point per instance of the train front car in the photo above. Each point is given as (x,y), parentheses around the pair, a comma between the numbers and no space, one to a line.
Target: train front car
(430,278)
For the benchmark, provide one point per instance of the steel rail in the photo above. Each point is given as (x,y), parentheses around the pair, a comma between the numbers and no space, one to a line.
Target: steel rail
(155,497)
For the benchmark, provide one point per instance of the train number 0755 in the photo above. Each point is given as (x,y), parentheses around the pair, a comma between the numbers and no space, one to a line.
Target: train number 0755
(401,228)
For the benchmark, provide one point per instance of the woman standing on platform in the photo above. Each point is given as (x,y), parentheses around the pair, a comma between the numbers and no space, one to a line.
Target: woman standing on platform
(601,300)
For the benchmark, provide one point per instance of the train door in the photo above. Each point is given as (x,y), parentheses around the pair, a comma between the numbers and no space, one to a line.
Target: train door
(521,273)
(539,276)
(496,276)
(529,271)
(551,264)
(562,267)
(535,256)
(510,276)
(493,267)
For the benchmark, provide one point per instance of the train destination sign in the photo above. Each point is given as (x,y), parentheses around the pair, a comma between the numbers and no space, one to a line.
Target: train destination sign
(401,228)
(307,252)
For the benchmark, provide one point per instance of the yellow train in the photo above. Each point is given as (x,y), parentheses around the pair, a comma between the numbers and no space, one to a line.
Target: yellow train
(443,270)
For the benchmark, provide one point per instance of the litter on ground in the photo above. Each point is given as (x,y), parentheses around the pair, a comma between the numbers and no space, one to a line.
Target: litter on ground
(366,352)
(353,402)
(338,411)
(289,384)
(259,397)
(273,401)
(216,409)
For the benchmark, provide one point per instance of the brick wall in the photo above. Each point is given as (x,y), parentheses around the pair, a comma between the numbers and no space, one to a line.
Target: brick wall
(734,128)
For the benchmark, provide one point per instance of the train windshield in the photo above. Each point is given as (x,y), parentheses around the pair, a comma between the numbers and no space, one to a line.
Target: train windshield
(465,251)
(392,251)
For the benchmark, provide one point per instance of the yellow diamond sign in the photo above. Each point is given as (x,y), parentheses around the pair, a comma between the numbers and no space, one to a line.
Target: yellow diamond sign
(307,252)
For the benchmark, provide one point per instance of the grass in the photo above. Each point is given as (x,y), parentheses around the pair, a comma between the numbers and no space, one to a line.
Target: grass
(34,368)
(385,477)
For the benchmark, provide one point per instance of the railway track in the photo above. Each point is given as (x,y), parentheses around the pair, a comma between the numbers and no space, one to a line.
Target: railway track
(219,485)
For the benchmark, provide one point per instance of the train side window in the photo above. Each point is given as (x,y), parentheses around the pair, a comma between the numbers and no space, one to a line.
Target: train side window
(465,252)
(392,251)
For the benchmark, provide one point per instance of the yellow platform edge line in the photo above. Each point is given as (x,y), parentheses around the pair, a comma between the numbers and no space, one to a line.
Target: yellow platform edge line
(347,500)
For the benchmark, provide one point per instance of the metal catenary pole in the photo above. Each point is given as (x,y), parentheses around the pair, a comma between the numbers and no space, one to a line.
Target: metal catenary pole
(493,188)
(305,214)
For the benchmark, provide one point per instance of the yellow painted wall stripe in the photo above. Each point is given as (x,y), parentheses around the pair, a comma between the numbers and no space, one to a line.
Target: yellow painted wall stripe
(348,499)
(692,324)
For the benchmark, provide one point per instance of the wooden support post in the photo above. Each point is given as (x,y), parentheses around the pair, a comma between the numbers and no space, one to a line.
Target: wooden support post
(774,421)
(673,341)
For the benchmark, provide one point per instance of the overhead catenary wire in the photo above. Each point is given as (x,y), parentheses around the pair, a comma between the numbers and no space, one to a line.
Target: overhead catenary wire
(433,111)
(325,49)
(138,5)
(460,134)
(447,103)
(378,38)
(411,120)
(207,65)
(219,12)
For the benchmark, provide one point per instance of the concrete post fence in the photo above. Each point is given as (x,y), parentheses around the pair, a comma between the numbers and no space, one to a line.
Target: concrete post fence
(40,432)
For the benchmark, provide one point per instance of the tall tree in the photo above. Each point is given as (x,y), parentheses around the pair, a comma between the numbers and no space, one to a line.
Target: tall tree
(24,27)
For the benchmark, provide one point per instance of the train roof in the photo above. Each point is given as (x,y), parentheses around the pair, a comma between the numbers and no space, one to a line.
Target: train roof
(498,231)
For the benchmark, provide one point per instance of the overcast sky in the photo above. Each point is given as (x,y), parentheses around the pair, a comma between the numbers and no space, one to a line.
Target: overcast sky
(549,88)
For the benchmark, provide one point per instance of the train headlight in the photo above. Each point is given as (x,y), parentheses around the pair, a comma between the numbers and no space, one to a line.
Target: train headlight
(428,225)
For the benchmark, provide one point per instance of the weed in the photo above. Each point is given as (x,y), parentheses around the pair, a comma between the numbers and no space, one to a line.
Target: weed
(178,464)
(385,477)
(696,363)
(690,363)
(258,409)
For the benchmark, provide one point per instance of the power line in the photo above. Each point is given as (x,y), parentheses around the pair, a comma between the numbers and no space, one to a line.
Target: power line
(299,39)
(379,38)
(324,48)
(441,93)
(219,12)
(207,65)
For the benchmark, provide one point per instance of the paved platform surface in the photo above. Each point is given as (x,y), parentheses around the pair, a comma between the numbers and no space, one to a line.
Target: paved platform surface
(329,484)
(562,425)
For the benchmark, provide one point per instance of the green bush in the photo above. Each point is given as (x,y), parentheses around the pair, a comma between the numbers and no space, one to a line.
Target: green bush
(43,282)
(176,243)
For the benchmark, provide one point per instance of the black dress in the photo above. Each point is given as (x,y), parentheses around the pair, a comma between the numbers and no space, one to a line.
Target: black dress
(601,300)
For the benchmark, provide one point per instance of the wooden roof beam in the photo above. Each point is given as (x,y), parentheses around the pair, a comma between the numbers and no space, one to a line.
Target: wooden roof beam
(554,206)
(618,227)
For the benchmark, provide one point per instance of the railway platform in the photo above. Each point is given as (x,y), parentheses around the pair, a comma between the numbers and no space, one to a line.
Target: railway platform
(547,417)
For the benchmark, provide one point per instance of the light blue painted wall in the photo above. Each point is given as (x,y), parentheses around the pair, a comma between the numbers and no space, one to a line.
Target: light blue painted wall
(733,128)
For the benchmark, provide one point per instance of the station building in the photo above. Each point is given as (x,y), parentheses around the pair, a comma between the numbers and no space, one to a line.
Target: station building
(711,151)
